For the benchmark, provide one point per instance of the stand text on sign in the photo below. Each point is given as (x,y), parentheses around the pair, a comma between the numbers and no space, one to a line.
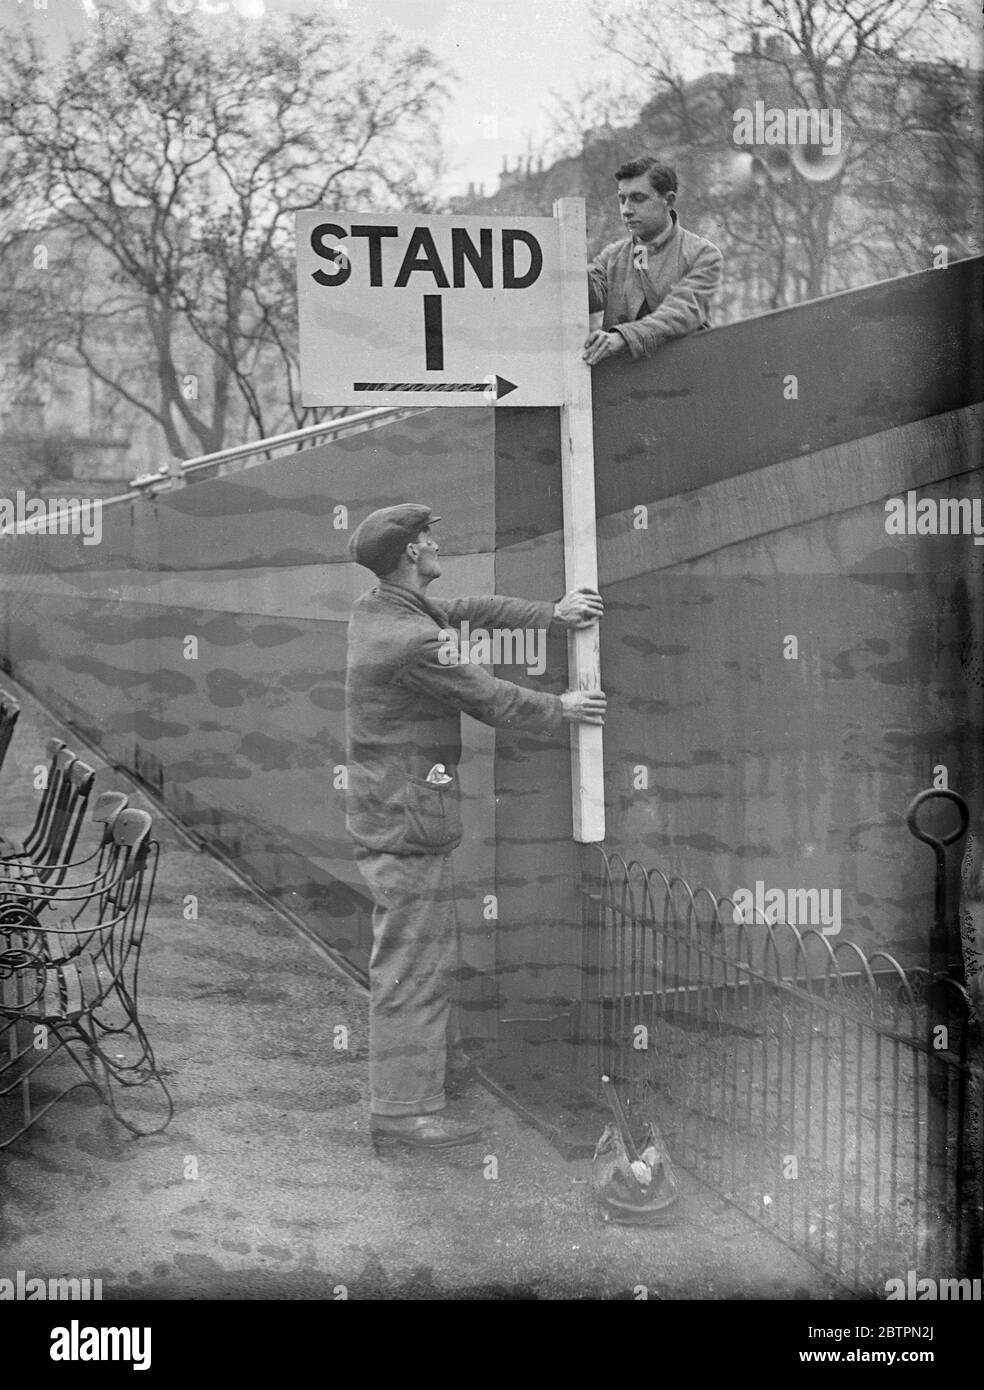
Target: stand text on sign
(437,310)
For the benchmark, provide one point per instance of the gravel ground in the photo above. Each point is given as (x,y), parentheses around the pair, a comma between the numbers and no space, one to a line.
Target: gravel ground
(265,1186)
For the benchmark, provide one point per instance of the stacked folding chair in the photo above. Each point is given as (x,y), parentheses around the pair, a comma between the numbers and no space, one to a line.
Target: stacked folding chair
(9,712)
(71,932)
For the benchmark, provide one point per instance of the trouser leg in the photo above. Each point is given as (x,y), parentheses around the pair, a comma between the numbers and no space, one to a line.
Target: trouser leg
(411,976)
(454,1032)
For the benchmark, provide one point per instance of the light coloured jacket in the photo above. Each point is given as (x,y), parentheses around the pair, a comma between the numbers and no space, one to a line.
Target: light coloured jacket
(404,699)
(677,286)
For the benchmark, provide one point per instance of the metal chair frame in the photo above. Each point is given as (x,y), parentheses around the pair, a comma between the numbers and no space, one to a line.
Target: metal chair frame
(9,714)
(43,840)
(35,884)
(78,985)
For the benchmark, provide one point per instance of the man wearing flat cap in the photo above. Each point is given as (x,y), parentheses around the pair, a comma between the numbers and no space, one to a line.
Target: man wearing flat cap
(405,693)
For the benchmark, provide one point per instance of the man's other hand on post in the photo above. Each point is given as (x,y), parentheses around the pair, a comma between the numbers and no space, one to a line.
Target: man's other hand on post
(580,608)
(584,706)
(601,344)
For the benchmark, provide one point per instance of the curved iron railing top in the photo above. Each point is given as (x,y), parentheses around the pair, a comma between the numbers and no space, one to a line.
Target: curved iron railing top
(641,897)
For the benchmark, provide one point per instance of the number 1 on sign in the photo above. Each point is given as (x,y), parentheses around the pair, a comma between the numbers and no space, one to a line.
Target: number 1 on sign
(433,333)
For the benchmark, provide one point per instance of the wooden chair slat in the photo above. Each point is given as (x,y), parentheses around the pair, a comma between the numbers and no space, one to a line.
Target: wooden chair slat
(10,990)
(50,1006)
(95,979)
(63,945)
(71,986)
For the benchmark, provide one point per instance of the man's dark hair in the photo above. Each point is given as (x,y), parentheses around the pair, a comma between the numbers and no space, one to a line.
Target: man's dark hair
(661,176)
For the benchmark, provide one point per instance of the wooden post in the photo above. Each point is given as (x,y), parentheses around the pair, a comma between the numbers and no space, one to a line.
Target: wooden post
(580,539)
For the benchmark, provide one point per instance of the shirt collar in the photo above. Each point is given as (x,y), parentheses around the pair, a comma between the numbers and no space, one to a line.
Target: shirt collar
(664,236)
(411,598)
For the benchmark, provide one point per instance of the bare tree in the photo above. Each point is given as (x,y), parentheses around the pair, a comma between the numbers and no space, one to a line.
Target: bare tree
(155,174)
(893,70)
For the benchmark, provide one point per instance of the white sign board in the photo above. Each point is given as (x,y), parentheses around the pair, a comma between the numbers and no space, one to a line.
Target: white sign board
(429,310)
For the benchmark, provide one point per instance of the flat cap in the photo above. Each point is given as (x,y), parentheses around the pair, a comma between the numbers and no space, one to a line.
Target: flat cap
(378,541)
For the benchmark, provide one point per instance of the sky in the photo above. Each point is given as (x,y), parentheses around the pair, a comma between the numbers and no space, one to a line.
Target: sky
(510,56)
(516,60)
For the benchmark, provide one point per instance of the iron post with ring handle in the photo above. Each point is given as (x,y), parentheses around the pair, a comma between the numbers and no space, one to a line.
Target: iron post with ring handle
(939,935)
(937,1079)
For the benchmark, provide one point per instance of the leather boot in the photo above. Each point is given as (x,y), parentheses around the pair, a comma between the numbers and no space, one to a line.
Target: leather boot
(421,1131)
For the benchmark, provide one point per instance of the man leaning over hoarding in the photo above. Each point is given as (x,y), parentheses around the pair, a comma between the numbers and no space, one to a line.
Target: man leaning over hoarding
(657,283)
(405,692)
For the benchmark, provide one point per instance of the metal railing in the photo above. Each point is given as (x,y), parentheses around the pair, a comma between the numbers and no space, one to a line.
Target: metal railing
(833,1096)
(178,472)
(216,464)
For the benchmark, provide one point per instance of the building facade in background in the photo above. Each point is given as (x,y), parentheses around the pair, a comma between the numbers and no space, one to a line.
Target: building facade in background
(904,193)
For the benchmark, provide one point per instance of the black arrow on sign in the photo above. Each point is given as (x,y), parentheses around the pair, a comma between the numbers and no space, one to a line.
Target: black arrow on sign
(502,386)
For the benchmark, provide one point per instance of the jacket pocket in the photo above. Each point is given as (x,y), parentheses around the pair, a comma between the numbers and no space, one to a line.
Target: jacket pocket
(433,814)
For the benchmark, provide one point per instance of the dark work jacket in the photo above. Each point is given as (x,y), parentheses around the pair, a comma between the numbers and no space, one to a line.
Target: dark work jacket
(405,692)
